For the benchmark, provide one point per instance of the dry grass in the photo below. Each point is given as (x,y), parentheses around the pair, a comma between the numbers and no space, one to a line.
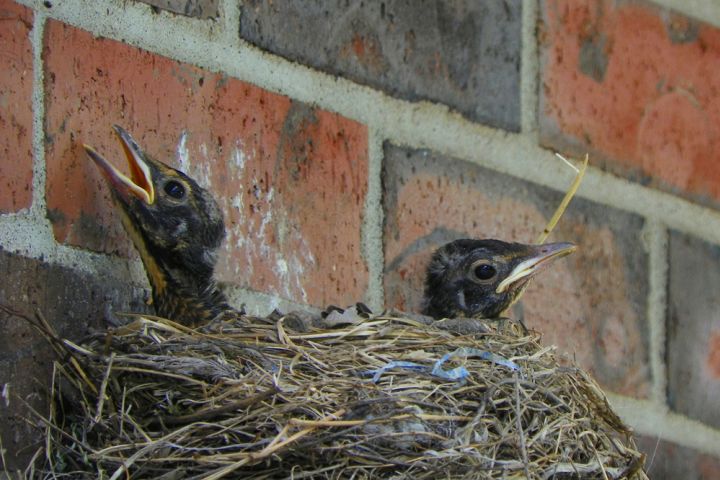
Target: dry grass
(254,398)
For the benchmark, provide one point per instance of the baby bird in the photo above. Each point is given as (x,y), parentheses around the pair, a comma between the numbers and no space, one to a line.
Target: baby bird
(483,278)
(176,227)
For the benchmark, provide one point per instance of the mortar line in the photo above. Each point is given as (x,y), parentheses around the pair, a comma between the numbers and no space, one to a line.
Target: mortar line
(372,225)
(261,303)
(529,68)
(703,10)
(20,236)
(649,419)
(37,210)
(655,236)
(230,13)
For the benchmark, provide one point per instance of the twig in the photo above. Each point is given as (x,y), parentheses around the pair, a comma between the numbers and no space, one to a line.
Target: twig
(103,389)
(405,416)
(202,415)
(518,424)
(55,428)
(580,173)
(4,462)
(125,467)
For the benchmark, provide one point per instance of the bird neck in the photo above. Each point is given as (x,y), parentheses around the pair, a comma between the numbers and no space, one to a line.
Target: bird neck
(189,304)
(434,304)
(439,308)
(190,298)
(187,297)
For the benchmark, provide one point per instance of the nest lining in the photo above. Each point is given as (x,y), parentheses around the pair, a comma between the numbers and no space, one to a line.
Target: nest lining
(377,397)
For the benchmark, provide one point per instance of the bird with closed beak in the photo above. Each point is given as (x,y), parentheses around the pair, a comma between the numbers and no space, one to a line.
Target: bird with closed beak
(483,278)
(177,229)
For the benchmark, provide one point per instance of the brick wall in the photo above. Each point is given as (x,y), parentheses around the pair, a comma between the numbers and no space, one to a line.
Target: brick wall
(346,140)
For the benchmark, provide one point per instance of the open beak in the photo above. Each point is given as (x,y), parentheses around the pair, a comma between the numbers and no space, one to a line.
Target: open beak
(541,257)
(140,181)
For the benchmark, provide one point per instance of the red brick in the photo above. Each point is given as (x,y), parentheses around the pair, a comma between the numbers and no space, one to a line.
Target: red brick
(637,85)
(668,460)
(591,304)
(290,178)
(693,329)
(16,79)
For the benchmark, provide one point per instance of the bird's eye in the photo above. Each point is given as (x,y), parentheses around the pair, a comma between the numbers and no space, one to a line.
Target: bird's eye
(175,189)
(482,271)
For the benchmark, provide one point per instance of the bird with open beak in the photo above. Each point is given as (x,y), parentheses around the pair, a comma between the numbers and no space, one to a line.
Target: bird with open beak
(483,278)
(176,227)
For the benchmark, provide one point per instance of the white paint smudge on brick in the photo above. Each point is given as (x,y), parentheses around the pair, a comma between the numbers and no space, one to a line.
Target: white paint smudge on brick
(236,207)
(183,155)
(238,156)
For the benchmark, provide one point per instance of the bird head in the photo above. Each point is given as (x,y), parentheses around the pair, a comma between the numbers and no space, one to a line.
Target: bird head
(482,278)
(173,222)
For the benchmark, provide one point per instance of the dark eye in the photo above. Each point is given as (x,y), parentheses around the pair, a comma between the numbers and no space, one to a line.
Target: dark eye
(175,189)
(483,271)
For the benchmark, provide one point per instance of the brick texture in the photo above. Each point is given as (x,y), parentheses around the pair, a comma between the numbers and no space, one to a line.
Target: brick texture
(71,303)
(16,79)
(192,8)
(465,54)
(638,86)
(591,304)
(667,460)
(693,331)
(290,178)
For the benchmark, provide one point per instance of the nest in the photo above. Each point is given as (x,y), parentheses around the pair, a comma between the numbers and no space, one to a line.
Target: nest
(374,396)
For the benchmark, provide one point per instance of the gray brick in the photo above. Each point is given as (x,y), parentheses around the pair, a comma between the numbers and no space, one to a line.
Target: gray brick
(192,8)
(693,330)
(591,304)
(71,303)
(465,54)
(666,460)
